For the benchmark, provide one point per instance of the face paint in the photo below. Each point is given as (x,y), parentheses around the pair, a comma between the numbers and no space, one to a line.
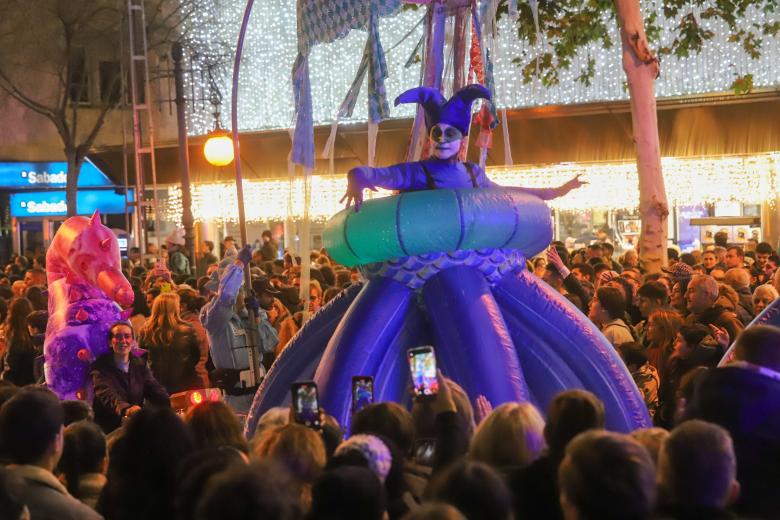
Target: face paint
(445,141)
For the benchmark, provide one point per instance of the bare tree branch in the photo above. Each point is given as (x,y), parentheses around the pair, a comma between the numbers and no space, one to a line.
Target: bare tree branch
(8,86)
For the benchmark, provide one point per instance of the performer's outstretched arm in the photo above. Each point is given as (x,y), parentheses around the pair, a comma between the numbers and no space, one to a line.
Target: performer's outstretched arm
(401,176)
(553,193)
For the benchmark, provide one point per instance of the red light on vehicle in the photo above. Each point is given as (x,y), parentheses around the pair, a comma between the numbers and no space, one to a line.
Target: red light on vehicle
(214,395)
(196,398)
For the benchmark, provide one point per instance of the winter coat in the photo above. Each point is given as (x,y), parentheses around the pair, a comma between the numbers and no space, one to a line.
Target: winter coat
(116,391)
(717,315)
(47,498)
(173,363)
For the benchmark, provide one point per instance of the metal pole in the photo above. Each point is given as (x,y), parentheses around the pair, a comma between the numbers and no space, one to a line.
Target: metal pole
(253,354)
(187,219)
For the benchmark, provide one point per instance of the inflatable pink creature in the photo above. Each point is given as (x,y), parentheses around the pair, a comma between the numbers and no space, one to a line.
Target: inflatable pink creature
(86,290)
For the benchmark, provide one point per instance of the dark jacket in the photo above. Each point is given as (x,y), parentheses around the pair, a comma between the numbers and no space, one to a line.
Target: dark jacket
(746,300)
(202,265)
(747,404)
(116,391)
(270,251)
(173,364)
(18,363)
(717,315)
(535,489)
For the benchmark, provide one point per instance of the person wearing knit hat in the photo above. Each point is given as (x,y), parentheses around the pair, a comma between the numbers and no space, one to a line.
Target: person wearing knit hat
(373,449)
(679,272)
(447,122)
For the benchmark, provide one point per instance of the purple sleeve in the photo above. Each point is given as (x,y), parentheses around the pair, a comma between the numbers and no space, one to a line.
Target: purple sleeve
(403,176)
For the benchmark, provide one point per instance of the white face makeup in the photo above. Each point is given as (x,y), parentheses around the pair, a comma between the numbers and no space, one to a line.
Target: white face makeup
(444,140)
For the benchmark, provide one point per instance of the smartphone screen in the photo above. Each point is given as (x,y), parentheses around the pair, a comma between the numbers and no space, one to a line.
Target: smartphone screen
(422,362)
(362,392)
(424,450)
(306,406)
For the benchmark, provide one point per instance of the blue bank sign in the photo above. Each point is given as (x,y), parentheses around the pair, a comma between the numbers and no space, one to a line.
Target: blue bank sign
(42,175)
(52,203)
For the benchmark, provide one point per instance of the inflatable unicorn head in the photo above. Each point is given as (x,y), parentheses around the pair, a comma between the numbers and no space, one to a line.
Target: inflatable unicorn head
(86,290)
(84,250)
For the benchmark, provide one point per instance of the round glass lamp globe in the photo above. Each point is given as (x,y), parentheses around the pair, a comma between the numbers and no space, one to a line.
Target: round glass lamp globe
(219,149)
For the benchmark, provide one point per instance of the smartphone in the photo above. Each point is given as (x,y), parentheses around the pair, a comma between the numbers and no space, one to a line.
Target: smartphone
(424,450)
(422,363)
(306,404)
(362,392)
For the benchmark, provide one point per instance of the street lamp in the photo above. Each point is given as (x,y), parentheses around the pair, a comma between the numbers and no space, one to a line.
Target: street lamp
(219,144)
(219,148)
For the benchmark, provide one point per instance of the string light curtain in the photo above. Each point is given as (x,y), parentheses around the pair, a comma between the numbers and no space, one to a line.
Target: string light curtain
(611,186)
(271,48)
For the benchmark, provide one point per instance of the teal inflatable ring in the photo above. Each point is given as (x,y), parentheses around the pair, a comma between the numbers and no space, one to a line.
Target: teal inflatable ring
(439,221)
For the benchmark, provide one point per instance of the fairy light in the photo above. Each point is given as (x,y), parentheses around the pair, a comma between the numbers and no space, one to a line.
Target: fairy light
(271,45)
(611,186)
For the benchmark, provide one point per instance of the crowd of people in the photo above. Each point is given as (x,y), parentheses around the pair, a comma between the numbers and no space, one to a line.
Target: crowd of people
(713,452)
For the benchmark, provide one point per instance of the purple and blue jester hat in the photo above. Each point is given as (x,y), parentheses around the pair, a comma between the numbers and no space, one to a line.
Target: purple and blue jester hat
(455,111)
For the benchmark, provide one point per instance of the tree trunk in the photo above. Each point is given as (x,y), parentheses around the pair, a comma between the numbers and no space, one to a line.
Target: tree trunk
(71,186)
(641,68)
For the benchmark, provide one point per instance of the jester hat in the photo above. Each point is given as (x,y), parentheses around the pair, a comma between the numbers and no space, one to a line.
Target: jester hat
(455,111)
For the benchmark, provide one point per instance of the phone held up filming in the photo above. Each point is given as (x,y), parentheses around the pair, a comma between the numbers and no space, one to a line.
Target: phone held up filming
(422,364)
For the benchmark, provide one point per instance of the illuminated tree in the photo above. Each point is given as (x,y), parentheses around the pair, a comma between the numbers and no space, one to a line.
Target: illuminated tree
(569,26)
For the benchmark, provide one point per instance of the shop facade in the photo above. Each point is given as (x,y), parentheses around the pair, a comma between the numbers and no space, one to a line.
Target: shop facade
(33,200)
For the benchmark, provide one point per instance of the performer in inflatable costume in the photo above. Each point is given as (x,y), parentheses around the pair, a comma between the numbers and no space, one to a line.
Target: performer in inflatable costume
(86,289)
(448,123)
(445,264)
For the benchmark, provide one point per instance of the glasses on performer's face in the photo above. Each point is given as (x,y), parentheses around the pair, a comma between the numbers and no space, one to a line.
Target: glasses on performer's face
(446,134)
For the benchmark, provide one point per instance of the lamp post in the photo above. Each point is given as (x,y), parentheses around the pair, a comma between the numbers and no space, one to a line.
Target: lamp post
(254,356)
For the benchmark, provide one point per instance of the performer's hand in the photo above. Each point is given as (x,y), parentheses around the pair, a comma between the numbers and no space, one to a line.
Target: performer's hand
(574,183)
(356,182)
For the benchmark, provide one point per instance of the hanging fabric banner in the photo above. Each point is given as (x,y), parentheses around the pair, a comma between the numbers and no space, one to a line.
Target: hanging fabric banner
(323,21)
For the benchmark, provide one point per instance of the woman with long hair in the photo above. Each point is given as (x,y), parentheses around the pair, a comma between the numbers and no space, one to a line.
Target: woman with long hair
(661,333)
(172,345)
(19,354)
